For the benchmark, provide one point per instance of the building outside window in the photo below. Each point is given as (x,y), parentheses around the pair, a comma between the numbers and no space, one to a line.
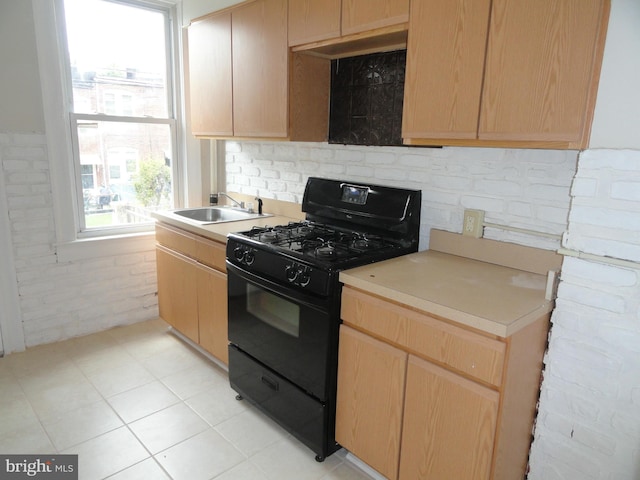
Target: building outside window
(122,120)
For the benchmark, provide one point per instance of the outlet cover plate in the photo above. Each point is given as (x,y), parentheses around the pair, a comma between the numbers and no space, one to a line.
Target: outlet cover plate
(472,224)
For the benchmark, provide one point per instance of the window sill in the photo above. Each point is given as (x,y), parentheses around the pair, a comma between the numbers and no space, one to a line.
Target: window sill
(105,246)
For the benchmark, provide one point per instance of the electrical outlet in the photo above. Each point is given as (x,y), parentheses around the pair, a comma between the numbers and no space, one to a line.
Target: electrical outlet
(472,224)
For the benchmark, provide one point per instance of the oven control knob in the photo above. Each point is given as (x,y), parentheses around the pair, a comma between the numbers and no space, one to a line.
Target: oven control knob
(249,257)
(239,253)
(291,272)
(304,277)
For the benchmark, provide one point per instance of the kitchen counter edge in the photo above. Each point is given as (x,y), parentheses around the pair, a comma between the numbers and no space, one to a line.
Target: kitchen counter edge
(374,279)
(219,231)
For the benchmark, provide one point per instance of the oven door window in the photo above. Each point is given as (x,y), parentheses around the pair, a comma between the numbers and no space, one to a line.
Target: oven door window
(275,311)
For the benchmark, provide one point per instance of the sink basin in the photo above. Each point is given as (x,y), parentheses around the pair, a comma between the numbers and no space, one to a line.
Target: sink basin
(205,215)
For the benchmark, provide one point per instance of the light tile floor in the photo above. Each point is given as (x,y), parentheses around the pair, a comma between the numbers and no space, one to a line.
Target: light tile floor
(136,402)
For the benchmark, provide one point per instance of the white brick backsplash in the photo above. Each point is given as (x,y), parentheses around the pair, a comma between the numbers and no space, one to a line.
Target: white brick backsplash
(626,190)
(591,297)
(537,182)
(616,160)
(606,217)
(609,276)
(584,187)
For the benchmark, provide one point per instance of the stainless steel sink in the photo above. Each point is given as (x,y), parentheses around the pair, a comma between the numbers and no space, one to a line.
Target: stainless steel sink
(206,215)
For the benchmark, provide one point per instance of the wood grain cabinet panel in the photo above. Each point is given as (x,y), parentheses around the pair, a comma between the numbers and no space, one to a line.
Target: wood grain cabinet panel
(260,69)
(449,425)
(503,73)
(211,253)
(371,378)
(177,294)
(210,78)
(444,72)
(313,20)
(472,354)
(244,81)
(176,239)
(469,398)
(362,15)
(212,312)
(192,287)
(542,69)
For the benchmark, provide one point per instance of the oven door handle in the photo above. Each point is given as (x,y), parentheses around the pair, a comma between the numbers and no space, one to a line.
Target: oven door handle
(272,384)
(321,303)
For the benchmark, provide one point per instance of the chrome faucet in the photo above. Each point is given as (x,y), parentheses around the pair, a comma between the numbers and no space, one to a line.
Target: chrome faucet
(213,199)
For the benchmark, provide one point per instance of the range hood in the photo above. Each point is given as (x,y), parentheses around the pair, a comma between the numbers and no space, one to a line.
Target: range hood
(366,99)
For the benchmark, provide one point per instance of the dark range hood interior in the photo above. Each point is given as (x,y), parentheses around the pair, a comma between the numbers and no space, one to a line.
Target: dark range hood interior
(366,99)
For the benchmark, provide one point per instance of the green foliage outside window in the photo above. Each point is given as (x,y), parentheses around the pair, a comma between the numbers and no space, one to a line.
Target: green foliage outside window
(153,183)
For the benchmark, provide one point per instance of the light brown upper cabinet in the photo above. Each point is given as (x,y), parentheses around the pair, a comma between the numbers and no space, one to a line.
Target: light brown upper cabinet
(445,61)
(210,78)
(361,15)
(313,20)
(328,20)
(534,86)
(542,61)
(244,81)
(260,69)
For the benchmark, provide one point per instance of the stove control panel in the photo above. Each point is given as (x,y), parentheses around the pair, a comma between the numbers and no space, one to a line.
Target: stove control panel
(298,274)
(274,266)
(244,255)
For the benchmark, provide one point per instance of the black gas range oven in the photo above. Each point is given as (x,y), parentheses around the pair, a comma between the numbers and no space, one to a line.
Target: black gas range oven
(284,298)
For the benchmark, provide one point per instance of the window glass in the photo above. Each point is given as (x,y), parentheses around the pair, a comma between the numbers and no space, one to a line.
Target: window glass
(130,168)
(121,116)
(117,52)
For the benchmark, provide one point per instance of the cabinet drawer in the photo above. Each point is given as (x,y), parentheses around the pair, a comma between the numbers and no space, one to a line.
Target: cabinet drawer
(211,253)
(467,352)
(176,240)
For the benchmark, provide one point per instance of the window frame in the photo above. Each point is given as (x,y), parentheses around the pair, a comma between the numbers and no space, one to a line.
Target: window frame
(62,148)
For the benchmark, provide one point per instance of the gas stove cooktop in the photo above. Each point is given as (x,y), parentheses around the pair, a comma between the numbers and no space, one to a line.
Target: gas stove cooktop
(319,241)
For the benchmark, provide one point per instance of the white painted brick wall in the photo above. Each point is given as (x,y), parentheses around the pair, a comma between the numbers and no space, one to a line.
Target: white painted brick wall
(521,188)
(63,300)
(589,418)
(605,213)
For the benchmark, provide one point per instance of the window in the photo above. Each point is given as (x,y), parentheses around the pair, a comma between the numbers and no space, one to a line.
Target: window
(121,113)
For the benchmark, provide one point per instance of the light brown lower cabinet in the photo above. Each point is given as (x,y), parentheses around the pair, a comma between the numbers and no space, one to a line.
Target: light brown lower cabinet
(212,312)
(449,425)
(177,292)
(421,398)
(370,399)
(192,288)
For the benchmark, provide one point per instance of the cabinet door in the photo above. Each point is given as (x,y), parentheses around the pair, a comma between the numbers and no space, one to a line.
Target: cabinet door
(212,312)
(449,425)
(361,15)
(177,293)
(371,377)
(210,78)
(540,66)
(445,62)
(260,69)
(313,20)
